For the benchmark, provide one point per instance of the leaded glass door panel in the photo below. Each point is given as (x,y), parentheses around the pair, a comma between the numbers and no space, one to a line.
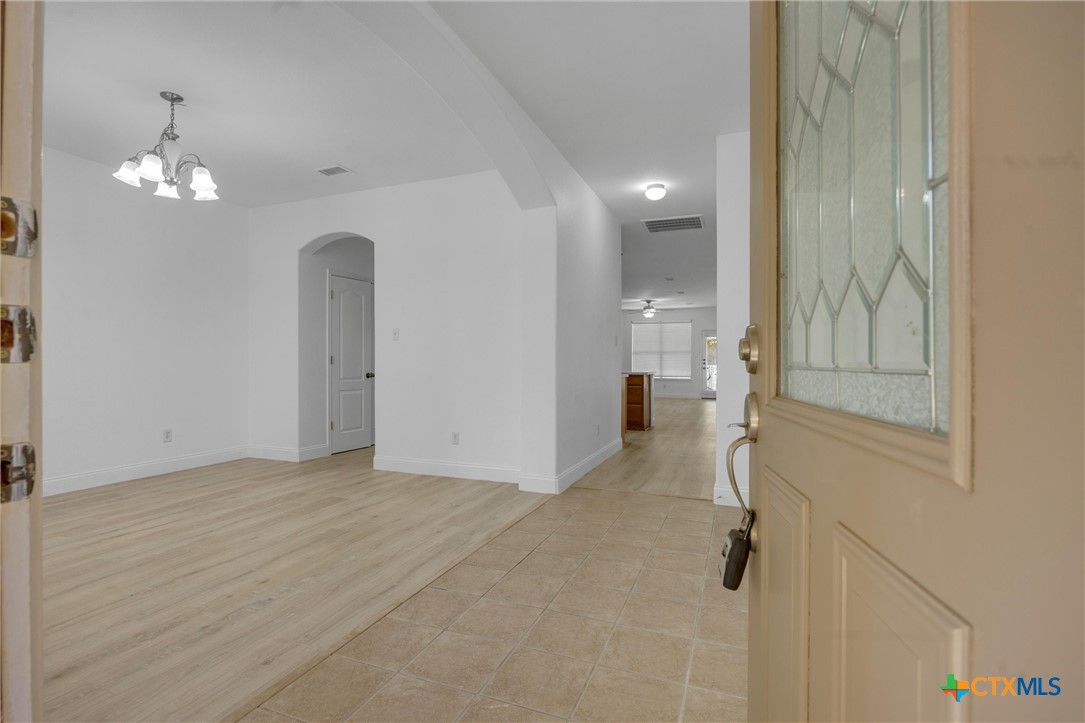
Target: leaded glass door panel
(863,201)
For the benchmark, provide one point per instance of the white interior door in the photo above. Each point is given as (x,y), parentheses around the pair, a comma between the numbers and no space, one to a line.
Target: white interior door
(709,361)
(916,276)
(350,364)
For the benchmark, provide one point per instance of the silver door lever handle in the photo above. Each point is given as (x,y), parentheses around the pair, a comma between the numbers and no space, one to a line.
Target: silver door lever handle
(731,474)
(751,414)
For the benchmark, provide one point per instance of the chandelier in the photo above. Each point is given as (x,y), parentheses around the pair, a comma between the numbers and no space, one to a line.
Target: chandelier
(649,311)
(165,164)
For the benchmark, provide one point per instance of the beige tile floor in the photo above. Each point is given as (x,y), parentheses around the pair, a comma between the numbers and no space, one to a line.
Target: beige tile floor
(598,606)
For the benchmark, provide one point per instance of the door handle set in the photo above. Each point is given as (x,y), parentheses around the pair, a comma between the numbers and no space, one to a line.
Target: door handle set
(751,426)
(742,541)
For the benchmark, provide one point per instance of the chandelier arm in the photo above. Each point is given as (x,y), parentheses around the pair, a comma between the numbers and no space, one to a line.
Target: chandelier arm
(187,158)
(160,150)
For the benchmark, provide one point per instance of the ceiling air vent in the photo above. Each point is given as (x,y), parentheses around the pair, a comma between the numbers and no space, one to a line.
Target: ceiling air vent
(675,223)
(333,170)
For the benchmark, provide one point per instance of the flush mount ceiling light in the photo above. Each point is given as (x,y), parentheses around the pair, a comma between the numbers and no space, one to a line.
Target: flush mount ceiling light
(649,311)
(655,191)
(164,164)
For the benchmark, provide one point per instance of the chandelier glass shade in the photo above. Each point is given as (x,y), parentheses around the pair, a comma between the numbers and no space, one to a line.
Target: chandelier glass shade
(165,164)
(649,311)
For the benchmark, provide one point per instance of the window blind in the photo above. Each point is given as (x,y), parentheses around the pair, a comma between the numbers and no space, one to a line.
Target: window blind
(664,347)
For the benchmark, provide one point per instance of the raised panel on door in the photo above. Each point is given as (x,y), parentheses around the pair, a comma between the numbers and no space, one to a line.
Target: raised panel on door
(887,627)
(785,530)
(351,366)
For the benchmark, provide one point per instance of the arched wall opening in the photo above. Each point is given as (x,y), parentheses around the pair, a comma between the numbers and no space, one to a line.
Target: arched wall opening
(343,254)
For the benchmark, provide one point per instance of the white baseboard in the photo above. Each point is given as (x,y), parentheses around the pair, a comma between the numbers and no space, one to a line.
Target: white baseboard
(676,395)
(123,473)
(725,496)
(314,452)
(538,483)
(278,454)
(459,470)
(568,477)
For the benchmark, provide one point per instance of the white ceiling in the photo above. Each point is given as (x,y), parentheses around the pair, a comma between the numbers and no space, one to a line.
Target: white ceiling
(274,91)
(630,92)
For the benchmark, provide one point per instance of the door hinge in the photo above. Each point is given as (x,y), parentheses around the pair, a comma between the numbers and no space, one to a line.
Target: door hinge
(331,294)
(18,334)
(17,470)
(331,424)
(331,360)
(20,223)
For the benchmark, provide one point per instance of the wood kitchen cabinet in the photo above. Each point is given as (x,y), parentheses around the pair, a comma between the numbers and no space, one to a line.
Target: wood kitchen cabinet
(638,401)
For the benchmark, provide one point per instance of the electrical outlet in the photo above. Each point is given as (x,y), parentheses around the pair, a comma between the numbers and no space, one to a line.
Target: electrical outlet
(455,438)
(395,334)
(167,435)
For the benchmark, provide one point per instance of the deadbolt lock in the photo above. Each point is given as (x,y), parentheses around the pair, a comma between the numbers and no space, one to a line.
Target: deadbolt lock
(749,348)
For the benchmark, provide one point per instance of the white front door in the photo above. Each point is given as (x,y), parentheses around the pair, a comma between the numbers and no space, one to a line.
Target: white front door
(916,276)
(708,365)
(350,364)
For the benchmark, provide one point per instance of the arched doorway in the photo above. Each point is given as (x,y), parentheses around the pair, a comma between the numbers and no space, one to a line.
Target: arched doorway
(336,378)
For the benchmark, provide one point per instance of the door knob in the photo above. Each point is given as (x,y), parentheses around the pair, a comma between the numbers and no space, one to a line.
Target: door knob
(749,348)
(369,375)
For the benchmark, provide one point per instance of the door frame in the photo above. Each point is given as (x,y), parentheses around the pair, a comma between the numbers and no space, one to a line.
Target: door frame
(706,334)
(328,371)
(21,648)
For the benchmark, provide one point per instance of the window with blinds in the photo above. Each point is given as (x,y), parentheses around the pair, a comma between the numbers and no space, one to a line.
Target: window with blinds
(664,347)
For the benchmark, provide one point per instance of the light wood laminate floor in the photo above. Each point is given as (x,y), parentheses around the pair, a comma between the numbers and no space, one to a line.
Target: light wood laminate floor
(676,457)
(194,595)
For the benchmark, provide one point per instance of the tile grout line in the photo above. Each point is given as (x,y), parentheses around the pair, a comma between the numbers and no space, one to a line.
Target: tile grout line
(610,634)
(696,627)
(614,625)
(519,643)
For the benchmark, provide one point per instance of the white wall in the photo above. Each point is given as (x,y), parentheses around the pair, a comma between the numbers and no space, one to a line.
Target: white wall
(351,256)
(586,273)
(588,353)
(703,319)
(143,322)
(448,254)
(581,260)
(733,308)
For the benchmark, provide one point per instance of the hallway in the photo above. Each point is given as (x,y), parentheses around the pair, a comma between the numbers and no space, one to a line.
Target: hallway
(677,457)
